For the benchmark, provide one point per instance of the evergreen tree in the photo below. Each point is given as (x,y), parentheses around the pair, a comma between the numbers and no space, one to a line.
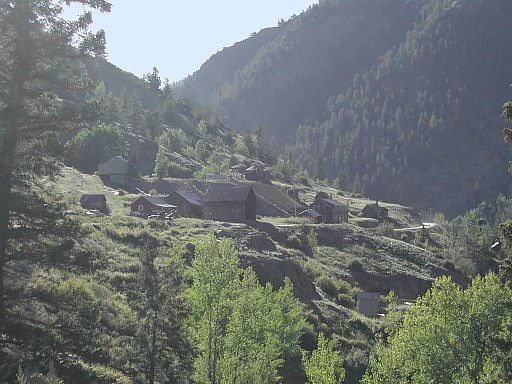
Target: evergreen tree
(161,164)
(320,168)
(35,61)
(163,351)
(152,80)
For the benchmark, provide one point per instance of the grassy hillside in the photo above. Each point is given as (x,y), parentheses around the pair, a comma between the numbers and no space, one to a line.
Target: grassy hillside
(346,257)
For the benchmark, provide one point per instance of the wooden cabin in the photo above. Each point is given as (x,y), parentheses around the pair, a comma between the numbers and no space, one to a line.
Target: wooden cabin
(332,210)
(148,204)
(190,204)
(375,211)
(368,303)
(231,203)
(117,171)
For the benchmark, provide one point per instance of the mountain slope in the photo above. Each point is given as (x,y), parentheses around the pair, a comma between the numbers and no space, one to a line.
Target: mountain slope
(422,126)
(403,96)
(282,77)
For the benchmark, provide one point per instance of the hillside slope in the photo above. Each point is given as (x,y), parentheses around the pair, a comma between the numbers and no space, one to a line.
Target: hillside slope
(400,95)
(282,77)
(422,126)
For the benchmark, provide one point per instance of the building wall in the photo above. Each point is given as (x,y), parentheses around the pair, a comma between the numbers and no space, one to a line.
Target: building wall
(368,307)
(117,179)
(186,209)
(225,211)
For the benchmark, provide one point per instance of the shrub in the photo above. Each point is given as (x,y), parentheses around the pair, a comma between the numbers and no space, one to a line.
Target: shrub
(312,270)
(386,229)
(293,242)
(328,285)
(344,286)
(346,300)
(447,264)
(179,171)
(355,265)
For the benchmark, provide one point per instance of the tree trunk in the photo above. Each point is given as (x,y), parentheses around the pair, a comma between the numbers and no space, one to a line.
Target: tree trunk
(9,142)
(152,358)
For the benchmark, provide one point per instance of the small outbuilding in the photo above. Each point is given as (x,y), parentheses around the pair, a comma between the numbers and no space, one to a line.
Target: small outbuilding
(190,204)
(313,216)
(117,171)
(332,210)
(231,203)
(94,201)
(147,204)
(375,211)
(368,303)
(257,173)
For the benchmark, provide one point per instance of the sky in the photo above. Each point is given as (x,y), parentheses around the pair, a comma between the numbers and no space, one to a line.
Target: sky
(177,36)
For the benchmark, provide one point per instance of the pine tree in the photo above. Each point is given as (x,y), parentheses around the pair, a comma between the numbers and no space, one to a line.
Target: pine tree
(152,80)
(36,60)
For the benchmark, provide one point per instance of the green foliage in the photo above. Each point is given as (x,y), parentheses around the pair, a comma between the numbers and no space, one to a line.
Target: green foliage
(161,164)
(93,146)
(152,80)
(244,332)
(447,337)
(324,365)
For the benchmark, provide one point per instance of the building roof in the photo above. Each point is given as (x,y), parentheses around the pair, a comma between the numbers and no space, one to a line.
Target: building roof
(158,201)
(220,193)
(368,295)
(252,168)
(93,198)
(117,165)
(311,213)
(375,207)
(191,197)
(334,203)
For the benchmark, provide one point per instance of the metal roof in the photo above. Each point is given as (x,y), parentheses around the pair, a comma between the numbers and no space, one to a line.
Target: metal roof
(159,201)
(190,197)
(221,193)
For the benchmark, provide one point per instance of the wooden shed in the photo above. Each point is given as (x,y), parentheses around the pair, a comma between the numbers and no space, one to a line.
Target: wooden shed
(375,211)
(313,216)
(190,204)
(117,171)
(148,204)
(226,202)
(332,210)
(368,303)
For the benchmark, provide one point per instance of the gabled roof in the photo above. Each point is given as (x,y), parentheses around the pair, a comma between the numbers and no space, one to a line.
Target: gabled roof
(93,198)
(221,193)
(117,165)
(368,295)
(159,201)
(375,207)
(310,213)
(334,203)
(191,197)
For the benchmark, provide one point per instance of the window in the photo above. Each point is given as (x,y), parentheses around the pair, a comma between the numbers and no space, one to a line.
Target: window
(141,208)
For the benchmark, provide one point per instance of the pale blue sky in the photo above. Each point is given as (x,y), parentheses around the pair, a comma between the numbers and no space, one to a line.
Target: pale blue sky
(178,36)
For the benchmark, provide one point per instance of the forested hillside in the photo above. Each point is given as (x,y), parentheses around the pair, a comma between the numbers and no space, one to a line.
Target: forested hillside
(397,95)
(282,77)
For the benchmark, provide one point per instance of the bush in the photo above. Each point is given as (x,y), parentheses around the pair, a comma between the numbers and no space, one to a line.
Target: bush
(346,300)
(312,270)
(344,286)
(355,265)
(179,171)
(447,264)
(328,285)
(386,229)
(293,242)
